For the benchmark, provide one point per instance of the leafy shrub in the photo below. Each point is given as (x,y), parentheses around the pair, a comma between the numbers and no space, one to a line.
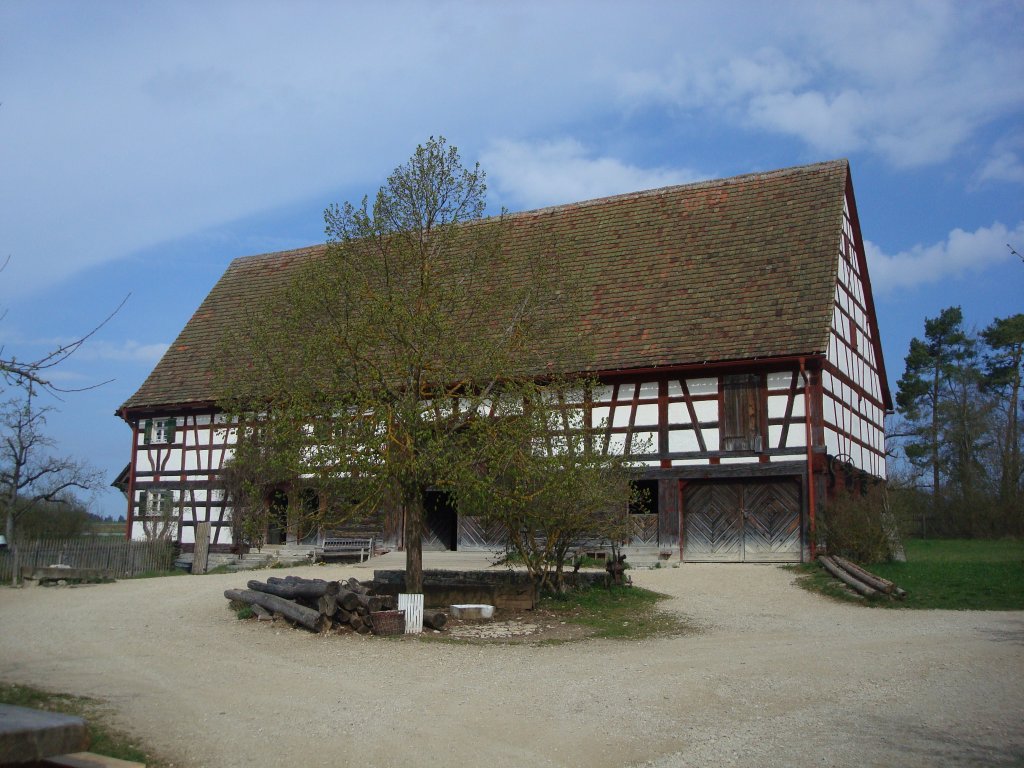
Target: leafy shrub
(854,524)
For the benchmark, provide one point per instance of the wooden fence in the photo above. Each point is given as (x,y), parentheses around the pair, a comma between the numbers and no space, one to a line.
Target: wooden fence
(122,558)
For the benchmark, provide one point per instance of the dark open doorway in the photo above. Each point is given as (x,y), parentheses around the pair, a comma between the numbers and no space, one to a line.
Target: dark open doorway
(441,522)
(277,519)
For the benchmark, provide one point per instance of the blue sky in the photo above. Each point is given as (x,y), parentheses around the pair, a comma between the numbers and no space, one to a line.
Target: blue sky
(144,145)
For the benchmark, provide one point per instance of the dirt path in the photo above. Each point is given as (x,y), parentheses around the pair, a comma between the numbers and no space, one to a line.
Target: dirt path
(775,677)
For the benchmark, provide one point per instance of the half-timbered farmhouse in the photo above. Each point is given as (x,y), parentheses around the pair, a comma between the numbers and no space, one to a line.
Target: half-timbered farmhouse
(735,340)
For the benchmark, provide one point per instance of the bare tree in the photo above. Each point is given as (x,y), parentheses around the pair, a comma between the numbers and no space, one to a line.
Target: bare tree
(38,372)
(30,474)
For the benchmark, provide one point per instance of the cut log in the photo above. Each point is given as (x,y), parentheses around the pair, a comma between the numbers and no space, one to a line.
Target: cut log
(356,586)
(347,599)
(307,617)
(296,590)
(434,619)
(876,582)
(846,578)
(262,614)
(327,605)
(352,601)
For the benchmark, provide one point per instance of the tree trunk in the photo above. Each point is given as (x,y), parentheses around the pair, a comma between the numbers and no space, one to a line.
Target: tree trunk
(297,590)
(307,617)
(12,547)
(412,503)
(846,578)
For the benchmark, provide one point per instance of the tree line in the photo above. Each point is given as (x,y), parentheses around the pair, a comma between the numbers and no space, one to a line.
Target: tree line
(958,427)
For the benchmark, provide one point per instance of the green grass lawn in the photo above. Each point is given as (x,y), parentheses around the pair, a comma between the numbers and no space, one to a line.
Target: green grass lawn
(953,574)
(625,613)
(960,574)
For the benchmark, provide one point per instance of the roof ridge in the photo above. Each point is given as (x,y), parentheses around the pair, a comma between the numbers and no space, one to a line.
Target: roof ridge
(641,193)
(693,185)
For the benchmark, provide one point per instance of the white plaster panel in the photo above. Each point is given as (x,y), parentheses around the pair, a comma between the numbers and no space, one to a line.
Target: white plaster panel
(798,406)
(627,391)
(706,410)
(621,415)
(832,445)
(774,436)
(674,390)
(173,462)
(678,414)
(777,406)
(710,438)
(191,461)
(617,444)
(682,441)
(603,394)
(779,380)
(649,390)
(646,414)
(644,442)
(740,460)
(689,462)
(600,416)
(703,386)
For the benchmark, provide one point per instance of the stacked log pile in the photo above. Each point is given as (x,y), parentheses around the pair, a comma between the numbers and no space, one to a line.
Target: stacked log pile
(320,605)
(860,580)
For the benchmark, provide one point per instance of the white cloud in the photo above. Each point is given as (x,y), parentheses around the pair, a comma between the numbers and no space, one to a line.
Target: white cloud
(123,129)
(537,174)
(911,82)
(961,252)
(129,351)
(1003,166)
(1004,163)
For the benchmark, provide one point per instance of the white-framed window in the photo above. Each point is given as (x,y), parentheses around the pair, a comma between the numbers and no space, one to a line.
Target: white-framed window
(159,503)
(159,430)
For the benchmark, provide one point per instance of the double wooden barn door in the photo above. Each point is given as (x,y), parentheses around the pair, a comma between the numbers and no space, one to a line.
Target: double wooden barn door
(752,521)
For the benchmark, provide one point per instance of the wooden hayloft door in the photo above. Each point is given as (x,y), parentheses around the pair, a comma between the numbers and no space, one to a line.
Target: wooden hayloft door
(750,521)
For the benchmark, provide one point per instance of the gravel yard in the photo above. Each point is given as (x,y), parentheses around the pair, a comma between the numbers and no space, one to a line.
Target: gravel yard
(774,676)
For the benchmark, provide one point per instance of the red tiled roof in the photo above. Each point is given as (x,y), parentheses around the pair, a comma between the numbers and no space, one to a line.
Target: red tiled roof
(722,270)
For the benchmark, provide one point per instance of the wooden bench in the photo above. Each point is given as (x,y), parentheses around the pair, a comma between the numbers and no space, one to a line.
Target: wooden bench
(61,573)
(338,546)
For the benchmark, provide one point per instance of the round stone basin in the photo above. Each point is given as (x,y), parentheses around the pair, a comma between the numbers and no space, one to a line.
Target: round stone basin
(477,611)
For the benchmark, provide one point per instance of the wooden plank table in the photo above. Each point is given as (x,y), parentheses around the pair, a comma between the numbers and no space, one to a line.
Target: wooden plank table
(30,734)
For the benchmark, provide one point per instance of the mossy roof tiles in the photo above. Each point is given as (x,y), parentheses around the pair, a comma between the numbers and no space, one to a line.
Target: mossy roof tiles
(722,270)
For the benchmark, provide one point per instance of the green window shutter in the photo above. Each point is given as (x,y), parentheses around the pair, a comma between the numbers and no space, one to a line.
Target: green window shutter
(147,431)
(169,426)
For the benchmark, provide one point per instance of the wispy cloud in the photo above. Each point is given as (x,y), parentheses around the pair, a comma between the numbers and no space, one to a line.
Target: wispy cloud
(1003,166)
(960,253)
(122,131)
(920,81)
(541,173)
(127,351)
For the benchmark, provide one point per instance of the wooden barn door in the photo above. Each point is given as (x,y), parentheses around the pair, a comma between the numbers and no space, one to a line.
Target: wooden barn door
(751,521)
(713,522)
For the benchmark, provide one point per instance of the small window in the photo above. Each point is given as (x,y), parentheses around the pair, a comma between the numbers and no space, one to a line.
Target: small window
(160,430)
(741,422)
(644,499)
(159,503)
